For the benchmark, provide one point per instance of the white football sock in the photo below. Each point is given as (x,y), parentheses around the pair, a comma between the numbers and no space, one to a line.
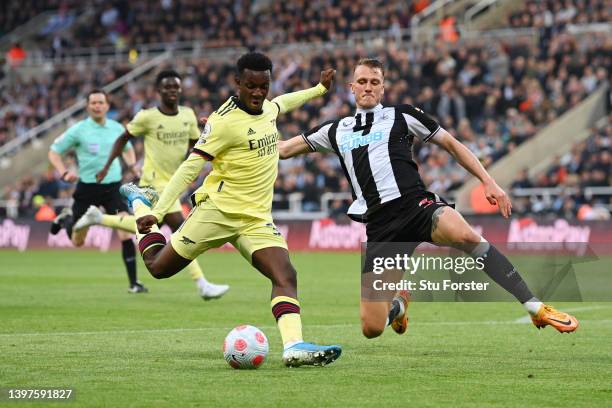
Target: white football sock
(290,344)
(201,282)
(401,312)
(532,305)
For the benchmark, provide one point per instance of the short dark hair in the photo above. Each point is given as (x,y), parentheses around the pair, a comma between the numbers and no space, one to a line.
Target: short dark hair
(167,73)
(254,61)
(372,63)
(97,91)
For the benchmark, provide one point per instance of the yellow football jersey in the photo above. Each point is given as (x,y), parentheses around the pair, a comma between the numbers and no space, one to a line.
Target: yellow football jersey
(243,148)
(166,140)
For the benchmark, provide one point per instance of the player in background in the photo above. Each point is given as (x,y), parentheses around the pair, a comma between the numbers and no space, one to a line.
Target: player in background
(169,132)
(234,204)
(92,139)
(375,151)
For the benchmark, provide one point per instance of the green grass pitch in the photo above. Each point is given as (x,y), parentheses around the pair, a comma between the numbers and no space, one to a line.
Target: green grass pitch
(68,321)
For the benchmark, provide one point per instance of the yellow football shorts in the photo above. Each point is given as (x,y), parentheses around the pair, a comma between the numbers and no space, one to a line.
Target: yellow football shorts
(208,227)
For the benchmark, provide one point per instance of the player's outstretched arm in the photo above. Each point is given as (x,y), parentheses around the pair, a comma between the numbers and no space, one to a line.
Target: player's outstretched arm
(187,172)
(467,159)
(293,100)
(118,147)
(293,147)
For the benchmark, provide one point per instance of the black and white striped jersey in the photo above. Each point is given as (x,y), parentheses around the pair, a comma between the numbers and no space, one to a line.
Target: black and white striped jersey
(375,151)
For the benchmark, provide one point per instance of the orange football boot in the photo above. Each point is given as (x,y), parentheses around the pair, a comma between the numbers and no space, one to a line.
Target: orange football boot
(400,323)
(547,315)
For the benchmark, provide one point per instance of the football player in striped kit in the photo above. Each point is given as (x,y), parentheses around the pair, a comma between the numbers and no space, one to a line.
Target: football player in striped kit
(375,151)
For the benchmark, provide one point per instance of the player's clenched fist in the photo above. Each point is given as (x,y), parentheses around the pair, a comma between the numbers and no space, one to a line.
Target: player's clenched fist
(145,223)
(327,76)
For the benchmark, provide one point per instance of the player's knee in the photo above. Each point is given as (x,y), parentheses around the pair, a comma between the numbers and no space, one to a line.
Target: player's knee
(289,282)
(153,267)
(464,235)
(372,325)
(286,277)
(155,273)
(370,330)
(468,236)
(158,273)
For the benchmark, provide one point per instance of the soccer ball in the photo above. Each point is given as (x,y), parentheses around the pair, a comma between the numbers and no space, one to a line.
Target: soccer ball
(245,347)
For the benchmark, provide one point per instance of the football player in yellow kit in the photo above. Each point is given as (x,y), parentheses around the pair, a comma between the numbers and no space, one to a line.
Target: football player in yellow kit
(234,204)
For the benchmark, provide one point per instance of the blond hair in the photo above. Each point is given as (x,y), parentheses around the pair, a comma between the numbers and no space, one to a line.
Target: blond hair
(371,63)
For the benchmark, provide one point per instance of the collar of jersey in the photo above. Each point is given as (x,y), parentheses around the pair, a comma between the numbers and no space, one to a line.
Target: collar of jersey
(94,123)
(375,109)
(242,106)
(168,114)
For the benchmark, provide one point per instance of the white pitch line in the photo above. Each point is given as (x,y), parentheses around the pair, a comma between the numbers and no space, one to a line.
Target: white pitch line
(203,329)
(145,331)
(527,319)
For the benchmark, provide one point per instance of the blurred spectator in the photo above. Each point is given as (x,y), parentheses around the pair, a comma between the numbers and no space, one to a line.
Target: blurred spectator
(419,5)
(448,29)
(44,210)
(48,186)
(15,55)
(522,181)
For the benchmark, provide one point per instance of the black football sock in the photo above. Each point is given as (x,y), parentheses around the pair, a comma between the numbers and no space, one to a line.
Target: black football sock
(499,268)
(55,227)
(128,251)
(67,225)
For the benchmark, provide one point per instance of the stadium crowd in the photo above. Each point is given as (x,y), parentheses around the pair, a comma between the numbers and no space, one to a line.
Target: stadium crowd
(491,95)
(556,14)
(587,164)
(16,13)
(123,23)
(27,102)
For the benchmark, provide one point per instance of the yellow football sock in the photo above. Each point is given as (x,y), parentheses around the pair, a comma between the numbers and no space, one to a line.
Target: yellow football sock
(195,271)
(122,222)
(286,310)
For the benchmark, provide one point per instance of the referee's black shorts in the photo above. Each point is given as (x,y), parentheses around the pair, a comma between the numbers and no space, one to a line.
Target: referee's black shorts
(407,219)
(105,195)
